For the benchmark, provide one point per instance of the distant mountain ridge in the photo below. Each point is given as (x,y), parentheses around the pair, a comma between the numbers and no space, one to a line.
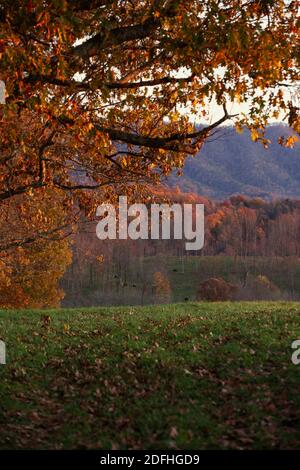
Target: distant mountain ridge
(233,164)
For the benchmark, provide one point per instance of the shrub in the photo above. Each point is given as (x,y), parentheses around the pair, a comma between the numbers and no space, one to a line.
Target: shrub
(215,289)
(258,288)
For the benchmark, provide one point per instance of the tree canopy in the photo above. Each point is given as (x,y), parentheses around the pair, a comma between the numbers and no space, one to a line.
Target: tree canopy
(96,90)
(99,100)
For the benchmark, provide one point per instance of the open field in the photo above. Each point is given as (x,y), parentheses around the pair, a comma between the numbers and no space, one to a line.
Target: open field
(186,376)
(124,286)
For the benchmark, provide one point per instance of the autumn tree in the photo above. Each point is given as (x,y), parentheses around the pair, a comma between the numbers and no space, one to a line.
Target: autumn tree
(215,289)
(100,93)
(102,84)
(161,287)
(30,274)
(35,220)
(33,254)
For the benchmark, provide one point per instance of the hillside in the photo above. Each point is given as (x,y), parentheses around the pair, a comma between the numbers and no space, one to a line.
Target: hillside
(231,163)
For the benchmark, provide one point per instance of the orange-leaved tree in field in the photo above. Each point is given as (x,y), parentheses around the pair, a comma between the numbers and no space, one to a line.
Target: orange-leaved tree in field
(34,250)
(161,287)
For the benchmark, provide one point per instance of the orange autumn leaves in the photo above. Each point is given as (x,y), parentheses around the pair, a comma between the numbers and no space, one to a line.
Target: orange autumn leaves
(95,98)
(33,254)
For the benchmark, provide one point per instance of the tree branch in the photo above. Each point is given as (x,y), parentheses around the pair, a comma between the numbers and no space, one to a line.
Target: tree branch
(115,37)
(41,173)
(34,238)
(174,142)
(73,84)
(118,36)
(20,190)
(66,187)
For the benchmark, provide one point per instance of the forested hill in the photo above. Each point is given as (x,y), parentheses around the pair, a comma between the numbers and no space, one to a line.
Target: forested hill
(232,163)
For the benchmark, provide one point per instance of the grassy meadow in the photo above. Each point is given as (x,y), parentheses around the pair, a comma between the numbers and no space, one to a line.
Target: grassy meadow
(181,376)
(125,284)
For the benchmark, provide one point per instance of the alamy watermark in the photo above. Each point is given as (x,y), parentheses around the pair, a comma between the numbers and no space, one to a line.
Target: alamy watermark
(296,354)
(2,352)
(155,222)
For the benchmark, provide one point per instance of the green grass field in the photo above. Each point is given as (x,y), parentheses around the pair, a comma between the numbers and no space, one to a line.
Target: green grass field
(183,376)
